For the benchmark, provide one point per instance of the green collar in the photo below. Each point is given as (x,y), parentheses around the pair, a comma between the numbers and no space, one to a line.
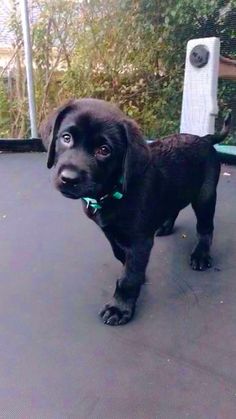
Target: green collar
(96,205)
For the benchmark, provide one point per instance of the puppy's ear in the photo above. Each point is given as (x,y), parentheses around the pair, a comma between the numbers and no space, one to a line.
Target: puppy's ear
(49,128)
(137,154)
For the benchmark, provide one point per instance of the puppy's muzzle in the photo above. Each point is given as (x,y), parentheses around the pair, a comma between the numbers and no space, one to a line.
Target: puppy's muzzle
(73,183)
(70,177)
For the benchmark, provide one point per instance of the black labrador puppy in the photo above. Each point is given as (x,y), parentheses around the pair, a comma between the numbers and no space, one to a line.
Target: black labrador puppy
(131,189)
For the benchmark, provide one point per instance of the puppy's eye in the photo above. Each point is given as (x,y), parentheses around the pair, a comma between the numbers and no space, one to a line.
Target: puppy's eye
(66,138)
(103,151)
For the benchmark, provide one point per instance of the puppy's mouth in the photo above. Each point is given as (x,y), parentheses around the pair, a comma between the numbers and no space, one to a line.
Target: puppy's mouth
(70,195)
(78,191)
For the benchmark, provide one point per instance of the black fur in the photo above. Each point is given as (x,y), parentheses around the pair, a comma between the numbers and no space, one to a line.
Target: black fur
(159,180)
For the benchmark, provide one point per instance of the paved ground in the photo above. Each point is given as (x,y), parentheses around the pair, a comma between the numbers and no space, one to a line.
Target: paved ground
(176,360)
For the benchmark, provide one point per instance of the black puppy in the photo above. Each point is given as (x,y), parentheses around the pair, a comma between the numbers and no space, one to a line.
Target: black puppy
(132,190)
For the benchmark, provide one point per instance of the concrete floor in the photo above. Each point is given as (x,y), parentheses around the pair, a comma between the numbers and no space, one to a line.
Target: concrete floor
(175,360)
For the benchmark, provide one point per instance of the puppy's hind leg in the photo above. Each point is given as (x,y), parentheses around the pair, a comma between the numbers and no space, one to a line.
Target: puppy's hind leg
(200,259)
(204,208)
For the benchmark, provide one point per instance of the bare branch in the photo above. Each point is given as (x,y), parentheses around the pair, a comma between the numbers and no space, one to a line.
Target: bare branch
(11,59)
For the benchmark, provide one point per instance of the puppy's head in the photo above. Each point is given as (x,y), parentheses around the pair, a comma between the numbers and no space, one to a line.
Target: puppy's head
(92,144)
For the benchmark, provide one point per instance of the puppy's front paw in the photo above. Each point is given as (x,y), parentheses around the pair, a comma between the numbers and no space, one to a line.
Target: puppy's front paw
(117,312)
(200,261)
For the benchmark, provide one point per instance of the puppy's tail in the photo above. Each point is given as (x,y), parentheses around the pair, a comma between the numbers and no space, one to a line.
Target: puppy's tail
(217,138)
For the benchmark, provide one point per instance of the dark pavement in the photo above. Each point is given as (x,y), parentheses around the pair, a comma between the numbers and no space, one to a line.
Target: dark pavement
(175,360)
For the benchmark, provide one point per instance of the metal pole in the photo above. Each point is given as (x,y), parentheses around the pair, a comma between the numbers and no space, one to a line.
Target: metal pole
(29,67)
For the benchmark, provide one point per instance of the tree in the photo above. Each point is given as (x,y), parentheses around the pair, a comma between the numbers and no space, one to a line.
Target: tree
(131,52)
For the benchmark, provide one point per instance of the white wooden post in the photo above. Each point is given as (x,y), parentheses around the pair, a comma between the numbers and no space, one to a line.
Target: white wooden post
(199,106)
(29,67)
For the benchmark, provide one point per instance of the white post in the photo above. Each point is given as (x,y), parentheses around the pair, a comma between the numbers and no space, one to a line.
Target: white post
(199,106)
(29,67)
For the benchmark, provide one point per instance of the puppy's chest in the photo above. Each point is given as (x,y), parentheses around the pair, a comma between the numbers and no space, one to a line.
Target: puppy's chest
(120,220)
(119,225)
(104,219)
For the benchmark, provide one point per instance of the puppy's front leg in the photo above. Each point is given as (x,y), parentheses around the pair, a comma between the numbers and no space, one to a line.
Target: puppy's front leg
(121,309)
(119,253)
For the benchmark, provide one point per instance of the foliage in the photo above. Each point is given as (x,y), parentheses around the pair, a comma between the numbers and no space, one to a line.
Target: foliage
(4,110)
(131,52)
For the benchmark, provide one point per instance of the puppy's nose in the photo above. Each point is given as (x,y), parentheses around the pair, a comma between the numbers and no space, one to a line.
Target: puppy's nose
(69,176)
